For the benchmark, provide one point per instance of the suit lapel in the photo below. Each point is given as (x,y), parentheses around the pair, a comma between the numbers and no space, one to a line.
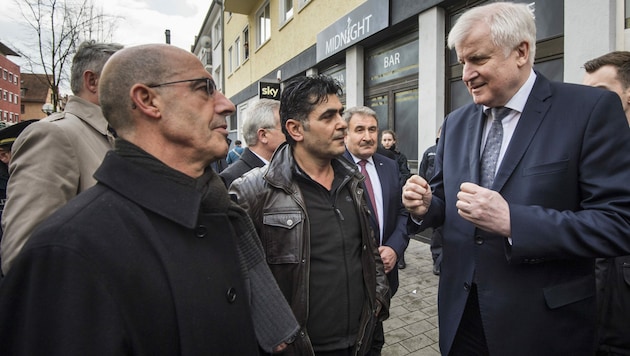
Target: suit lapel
(532,116)
(476,127)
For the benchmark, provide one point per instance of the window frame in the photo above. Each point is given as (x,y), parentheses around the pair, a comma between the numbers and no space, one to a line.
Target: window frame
(285,17)
(263,37)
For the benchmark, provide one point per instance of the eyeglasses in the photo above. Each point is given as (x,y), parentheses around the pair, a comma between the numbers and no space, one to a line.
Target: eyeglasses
(210,85)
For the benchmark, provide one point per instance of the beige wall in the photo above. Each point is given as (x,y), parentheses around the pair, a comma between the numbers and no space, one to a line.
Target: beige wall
(286,42)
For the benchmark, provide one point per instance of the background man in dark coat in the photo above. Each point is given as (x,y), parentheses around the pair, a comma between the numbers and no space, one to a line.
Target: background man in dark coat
(262,133)
(611,71)
(388,217)
(517,277)
(155,259)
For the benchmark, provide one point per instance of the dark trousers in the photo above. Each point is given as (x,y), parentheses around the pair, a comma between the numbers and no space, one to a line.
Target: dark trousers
(470,339)
(436,246)
(378,340)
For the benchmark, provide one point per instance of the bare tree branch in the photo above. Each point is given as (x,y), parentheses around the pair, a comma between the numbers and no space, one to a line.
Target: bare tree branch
(60,26)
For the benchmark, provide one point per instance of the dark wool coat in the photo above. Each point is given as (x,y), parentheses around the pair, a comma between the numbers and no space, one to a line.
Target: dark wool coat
(129,267)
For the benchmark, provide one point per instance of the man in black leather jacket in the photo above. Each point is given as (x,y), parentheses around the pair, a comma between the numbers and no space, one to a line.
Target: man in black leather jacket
(310,212)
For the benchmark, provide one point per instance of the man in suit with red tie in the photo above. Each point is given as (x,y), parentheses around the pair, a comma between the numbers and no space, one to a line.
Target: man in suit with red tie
(382,183)
(521,233)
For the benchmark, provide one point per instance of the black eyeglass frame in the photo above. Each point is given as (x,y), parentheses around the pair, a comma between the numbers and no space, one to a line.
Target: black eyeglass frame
(211,86)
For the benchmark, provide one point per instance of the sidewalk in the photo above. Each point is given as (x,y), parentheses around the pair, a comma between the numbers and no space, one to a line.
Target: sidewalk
(412,327)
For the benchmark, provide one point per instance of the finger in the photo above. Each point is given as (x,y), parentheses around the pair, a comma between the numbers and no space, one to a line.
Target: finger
(469,187)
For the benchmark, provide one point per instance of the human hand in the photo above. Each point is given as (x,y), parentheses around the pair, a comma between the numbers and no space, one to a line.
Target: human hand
(280,347)
(417,195)
(389,257)
(485,208)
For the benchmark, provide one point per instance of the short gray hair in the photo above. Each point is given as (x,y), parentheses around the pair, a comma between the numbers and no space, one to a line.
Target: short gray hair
(361,110)
(259,115)
(509,23)
(92,56)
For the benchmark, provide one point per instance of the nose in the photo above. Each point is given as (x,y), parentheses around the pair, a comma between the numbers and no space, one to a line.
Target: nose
(469,72)
(223,105)
(341,123)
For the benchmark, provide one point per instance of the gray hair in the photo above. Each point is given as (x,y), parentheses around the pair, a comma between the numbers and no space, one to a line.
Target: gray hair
(259,116)
(91,56)
(361,110)
(509,23)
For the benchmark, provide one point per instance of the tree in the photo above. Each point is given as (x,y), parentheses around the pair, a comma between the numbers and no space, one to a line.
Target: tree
(60,27)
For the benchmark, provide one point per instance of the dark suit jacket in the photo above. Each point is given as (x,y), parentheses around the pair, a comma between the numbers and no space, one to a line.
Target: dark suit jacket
(565,177)
(247,162)
(394,214)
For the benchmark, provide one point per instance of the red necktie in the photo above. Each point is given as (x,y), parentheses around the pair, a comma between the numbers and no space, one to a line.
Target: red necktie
(368,187)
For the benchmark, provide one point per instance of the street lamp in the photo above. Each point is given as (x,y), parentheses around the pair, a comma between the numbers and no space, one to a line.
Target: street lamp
(48,108)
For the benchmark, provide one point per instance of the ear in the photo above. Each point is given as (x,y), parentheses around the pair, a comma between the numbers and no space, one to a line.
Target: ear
(90,81)
(522,51)
(295,129)
(262,135)
(145,100)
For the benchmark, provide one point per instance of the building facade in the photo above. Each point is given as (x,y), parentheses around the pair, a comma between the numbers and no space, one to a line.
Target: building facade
(391,55)
(9,88)
(35,93)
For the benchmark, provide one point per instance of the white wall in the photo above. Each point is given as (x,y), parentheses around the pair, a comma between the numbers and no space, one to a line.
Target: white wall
(590,30)
(431,74)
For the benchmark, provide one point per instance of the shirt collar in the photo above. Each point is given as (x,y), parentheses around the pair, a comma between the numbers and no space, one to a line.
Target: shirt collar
(357,159)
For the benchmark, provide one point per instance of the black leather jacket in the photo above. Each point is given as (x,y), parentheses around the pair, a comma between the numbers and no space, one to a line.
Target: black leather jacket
(276,205)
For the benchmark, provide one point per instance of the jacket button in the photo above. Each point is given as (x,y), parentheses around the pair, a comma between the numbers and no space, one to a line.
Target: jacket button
(201,231)
(289,222)
(479,240)
(231,295)
(466,286)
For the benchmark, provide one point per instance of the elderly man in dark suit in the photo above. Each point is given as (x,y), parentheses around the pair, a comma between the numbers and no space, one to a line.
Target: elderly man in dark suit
(517,277)
(262,133)
(382,183)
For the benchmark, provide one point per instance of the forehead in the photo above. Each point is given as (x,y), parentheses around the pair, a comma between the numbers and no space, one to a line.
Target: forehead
(359,119)
(607,74)
(188,65)
(330,103)
(478,40)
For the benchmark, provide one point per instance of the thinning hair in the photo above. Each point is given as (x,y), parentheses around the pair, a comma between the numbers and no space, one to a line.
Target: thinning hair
(91,56)
(359,110)
(510,24)
(300,97)
(146,64)
(259,116)
(618,59)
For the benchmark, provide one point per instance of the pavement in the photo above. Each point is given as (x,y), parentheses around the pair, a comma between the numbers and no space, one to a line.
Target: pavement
(412,327)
